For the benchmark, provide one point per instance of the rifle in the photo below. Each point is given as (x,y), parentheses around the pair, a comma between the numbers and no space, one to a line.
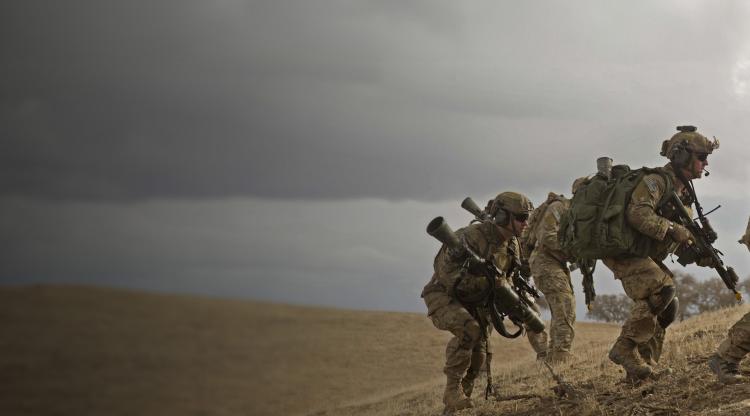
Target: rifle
(703,237)
(502,300)
(587,270)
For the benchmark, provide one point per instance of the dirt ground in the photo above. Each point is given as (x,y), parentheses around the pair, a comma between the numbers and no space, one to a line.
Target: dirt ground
(72,350)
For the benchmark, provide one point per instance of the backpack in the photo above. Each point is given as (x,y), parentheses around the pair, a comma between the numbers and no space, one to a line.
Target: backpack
(595,226)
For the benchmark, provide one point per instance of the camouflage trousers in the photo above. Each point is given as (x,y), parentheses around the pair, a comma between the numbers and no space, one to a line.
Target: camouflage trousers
(642,279)
(466,351)
(538,341)
(737,343)
(553,280)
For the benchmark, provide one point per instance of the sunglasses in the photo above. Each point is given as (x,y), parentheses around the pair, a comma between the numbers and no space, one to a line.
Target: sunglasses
(701,156)
(521,217)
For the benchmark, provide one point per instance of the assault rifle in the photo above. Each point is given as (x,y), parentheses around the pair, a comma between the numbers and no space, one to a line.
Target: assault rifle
(701,247)
(502,300)
(587,271)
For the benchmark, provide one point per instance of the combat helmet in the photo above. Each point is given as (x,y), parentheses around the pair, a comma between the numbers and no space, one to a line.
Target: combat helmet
(509,203)
(685,143)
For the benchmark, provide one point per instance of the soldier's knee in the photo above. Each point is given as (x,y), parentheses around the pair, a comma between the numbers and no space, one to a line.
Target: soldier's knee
(658,302)
(471,335)
(668,315)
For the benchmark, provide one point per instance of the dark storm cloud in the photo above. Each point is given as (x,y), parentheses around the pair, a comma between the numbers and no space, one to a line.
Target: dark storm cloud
(129,100)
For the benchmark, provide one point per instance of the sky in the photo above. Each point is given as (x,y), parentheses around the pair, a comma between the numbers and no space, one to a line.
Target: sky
(294,151)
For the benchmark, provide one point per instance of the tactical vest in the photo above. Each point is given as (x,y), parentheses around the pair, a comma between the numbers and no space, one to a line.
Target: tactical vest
(596,226)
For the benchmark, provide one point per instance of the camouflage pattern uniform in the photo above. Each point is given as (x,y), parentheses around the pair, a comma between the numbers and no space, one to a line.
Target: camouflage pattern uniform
(646,280)
(466,352)
(537,340)
(552,277)
(725,363)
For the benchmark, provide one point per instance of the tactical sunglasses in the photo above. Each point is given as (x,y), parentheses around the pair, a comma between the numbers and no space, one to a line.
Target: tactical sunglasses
(521,217)
(701,156)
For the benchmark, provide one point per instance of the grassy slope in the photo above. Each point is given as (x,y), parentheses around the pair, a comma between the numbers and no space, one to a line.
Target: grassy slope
(690,390)
(82,350)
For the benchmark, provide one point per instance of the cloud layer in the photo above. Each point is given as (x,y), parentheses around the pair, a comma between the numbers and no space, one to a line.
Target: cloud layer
(425,100)
(294,151)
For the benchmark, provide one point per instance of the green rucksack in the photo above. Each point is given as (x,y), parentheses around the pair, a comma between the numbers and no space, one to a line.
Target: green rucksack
(595,225)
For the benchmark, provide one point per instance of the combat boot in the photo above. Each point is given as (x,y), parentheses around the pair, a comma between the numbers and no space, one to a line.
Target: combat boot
(645,352)
(559,357)
(728,372)
(467,383)
(624,354)
(454,398)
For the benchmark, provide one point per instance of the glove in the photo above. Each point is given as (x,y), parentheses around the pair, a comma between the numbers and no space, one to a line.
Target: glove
(679,233)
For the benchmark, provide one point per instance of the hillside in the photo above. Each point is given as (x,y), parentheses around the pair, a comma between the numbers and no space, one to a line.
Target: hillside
(74,350)
(526,389)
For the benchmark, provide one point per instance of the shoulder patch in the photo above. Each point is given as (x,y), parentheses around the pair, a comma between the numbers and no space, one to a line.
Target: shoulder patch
(652,184)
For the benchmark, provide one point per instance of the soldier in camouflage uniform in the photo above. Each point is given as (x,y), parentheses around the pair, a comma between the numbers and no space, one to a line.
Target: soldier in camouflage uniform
(551,274)
(646,280)
(466,352)
(726,362)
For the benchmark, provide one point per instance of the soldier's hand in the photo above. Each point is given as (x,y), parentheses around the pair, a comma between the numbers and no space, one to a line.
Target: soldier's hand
(679,233)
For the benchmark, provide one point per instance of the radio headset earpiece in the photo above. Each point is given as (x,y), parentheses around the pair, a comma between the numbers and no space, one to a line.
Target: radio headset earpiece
(502,218)
(679,154)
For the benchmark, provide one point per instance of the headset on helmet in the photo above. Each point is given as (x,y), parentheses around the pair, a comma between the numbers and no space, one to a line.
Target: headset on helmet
(508,203)
(680,147)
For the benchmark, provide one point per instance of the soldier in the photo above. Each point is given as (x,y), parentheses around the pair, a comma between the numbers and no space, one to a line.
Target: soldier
(466,351)
(646,280)
(726,362)
(551,274)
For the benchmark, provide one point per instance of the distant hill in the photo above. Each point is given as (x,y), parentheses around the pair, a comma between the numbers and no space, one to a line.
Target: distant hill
(76,350)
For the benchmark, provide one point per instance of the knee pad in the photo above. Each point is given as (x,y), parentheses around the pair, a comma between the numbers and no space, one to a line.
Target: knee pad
(471,335)
(660,300)
(668,315)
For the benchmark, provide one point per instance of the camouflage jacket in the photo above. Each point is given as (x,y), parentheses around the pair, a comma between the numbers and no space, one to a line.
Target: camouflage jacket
(488,241)
(646,215)
(546,228)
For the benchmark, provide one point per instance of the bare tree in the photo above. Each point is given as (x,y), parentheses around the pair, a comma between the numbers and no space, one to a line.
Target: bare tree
(610,308)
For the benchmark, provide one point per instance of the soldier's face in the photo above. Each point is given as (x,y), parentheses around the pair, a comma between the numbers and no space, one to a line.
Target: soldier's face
(520,222)
(697,163)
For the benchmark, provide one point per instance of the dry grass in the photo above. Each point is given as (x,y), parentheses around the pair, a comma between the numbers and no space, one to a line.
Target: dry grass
(95,351)
(691,389)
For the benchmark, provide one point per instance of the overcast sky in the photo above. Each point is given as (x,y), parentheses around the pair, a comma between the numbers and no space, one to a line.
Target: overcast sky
(294,151)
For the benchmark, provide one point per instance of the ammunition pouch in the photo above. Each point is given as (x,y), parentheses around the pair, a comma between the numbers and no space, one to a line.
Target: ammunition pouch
(472,291)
